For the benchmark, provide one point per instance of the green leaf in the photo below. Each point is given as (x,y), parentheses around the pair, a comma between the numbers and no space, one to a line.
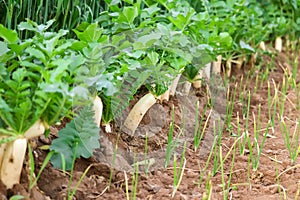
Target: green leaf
(16,197)
(3,48)
(246,46)
(10,36)
(225,39)
(29,25)
(153,57)
(36,53)
(92,33)
(128,15)
(79,138)
(190,72)
(18,48)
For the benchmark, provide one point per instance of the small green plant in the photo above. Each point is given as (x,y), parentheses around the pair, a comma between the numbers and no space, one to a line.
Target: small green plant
(178,173)
(171,144)
(226,186)
(291,142)
(230,108)
(257,147)
(16,197)
(208,188)
(278,179)
(242,142)
(199,126)
(204,170)
(284,89)
(36,81)
(216,165)
(135,174)
(32,179)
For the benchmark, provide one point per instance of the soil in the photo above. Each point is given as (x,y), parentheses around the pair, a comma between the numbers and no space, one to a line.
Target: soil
(275,178)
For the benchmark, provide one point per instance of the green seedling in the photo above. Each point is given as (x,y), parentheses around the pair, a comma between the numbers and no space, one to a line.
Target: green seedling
(278,179)
(203,171)
(216,149)
(225,186)
(178,173)
(198,126)
(230,108)
(135,176)
(171,144)
(126,186)
(256,84)
(32,179)
(208,188)
(291,142)
(16,197)
(257,147)
(284,89)
(147,164)
(113,160)
(241,139)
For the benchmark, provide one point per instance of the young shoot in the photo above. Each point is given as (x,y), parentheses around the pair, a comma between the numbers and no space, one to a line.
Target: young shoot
(178,173)
(199,130)
(256,150)
(291,142)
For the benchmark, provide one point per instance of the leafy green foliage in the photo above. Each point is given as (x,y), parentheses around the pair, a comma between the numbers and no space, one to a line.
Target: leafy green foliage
(36,77)
(79,138)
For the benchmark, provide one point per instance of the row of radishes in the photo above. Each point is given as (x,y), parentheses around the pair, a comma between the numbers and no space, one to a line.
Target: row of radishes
(13,146)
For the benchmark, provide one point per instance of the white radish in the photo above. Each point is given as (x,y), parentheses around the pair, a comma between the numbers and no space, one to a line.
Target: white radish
(12,162)
(2,148)
(174,85)
(278,44)
(197,82)
(165,96)
(228,67)
(253,60)
(262,46)
(240,61)
(216,67)
(98,108)
(138,111)
(37,129)
(107,127)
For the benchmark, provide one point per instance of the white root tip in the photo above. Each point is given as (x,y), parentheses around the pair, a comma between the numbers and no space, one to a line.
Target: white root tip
(12,162)
(98,108)
(107,128)
(262,46)
(278,44)
(138,111)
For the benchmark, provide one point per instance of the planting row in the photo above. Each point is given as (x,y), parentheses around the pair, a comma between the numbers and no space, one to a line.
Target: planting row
(48,76)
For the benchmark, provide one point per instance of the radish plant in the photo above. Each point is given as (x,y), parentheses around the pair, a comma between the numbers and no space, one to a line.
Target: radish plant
(36,90)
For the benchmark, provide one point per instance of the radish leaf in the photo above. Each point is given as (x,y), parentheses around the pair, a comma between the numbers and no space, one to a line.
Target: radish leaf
(79,138)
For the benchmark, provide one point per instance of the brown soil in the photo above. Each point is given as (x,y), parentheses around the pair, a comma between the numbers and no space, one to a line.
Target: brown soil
(104,181)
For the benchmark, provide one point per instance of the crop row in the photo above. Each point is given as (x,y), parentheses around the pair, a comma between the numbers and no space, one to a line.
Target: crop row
(46,70)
